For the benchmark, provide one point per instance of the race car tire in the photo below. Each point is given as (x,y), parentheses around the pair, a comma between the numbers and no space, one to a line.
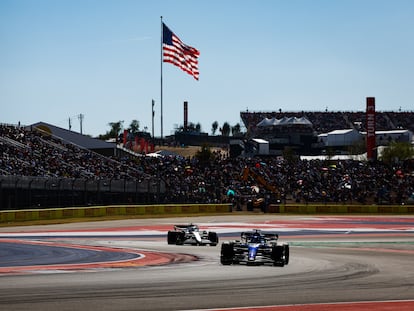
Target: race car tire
(213,237)
(227,253)
(277,255)
(172,237)
(286,253)
(180,238)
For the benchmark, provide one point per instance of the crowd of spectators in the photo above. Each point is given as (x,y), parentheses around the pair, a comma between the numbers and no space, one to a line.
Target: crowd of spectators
(402,120)
(188,180)
(297,181)
(324,122)
(31,153)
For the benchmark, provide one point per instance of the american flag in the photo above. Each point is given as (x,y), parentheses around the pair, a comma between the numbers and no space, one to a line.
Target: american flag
(178,53)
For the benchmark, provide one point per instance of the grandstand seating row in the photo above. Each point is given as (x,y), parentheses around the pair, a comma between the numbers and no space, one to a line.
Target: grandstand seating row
(327,121)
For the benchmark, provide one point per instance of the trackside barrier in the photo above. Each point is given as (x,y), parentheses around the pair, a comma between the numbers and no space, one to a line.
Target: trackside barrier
(177,209)
(339,209)
(101,211)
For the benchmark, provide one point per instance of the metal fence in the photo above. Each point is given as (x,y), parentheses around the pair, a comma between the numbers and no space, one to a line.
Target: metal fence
(18,192)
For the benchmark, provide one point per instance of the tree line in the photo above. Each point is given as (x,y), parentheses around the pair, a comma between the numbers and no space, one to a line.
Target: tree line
(116,128)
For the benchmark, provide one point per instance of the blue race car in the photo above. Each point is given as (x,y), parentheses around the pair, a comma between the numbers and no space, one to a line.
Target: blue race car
(255,248)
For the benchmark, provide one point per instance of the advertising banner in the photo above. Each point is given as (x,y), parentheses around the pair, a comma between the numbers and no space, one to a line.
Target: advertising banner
(370,124)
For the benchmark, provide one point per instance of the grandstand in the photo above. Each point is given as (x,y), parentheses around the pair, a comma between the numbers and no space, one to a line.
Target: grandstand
(38,170)
(34,162)
(328,121)
(304,131)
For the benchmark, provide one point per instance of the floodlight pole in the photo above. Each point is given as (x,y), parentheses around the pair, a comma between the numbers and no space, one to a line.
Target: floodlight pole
(161,99)
(153,114)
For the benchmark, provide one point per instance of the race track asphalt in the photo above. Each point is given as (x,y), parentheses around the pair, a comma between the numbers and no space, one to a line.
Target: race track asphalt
(107,266)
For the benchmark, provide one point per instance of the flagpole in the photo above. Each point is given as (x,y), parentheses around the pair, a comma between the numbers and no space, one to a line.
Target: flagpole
(161,99)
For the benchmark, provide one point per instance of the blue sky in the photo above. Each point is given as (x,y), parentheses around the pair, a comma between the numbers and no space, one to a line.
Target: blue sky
(101,58)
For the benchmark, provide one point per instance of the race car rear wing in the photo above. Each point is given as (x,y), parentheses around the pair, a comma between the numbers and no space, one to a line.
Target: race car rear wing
(189,227)
(266,236)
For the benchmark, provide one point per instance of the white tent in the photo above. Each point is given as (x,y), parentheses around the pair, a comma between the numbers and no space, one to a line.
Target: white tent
(345,137)
(284,121)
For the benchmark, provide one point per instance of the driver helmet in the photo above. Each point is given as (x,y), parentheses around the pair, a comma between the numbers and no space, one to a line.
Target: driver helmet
(256,238)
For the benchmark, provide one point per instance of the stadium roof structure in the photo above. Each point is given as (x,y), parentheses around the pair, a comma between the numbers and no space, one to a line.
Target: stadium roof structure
(284,121)
(355,157)
(73,137)
(341,132)
(403,131)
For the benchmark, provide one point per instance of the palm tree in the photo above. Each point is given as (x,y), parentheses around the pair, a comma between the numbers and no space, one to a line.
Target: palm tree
(214,127)
(225,130)
(116,128)
(134,127)
(235,130)
(114,132)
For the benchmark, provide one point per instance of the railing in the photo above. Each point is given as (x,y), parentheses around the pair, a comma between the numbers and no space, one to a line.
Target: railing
(17,192)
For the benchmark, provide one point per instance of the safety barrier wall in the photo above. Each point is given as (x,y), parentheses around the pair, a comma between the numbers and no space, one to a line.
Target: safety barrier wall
(20,192)
(340,209)
(177,209)
(101,211)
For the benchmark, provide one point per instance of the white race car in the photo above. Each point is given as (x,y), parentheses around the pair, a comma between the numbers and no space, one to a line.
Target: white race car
(191,234)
